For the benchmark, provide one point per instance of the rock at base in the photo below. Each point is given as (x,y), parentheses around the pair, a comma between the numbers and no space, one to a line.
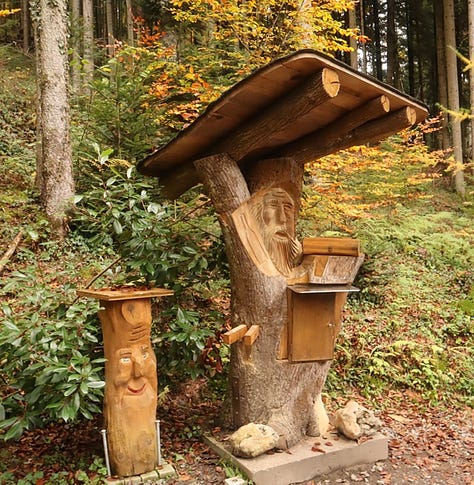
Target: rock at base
(354,421)
(253,440)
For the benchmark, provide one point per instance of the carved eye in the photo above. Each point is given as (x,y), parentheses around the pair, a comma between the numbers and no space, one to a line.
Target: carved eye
(125,360)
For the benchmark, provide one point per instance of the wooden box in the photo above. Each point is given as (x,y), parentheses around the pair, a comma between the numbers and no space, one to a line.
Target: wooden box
(314,318)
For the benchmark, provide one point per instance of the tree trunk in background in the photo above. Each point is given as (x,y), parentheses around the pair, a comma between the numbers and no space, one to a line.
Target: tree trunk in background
(392,46)
(378,73)
(352,20)
(88,42)
(76,46)
(410,48)
(471,72)
(362,32)
(130,33)
(453,91)
(54,164)
(441,71)
(25,23)
(109,16)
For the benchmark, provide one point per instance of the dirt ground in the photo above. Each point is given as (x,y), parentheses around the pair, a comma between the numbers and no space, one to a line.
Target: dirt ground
(427,445)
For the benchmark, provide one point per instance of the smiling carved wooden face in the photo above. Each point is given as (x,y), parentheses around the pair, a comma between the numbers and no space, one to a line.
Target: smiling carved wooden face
(134,369)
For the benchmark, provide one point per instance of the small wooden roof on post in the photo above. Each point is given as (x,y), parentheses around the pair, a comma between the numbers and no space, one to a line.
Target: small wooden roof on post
(303,106)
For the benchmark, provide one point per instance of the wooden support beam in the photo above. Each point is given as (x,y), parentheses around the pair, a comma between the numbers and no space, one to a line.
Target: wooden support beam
(333,246)
(313,147)
(254,134)
(181,178)
(251,335)
(235,334)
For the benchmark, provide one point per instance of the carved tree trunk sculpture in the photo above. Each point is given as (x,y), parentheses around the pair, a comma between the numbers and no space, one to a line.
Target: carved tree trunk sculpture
(264,388)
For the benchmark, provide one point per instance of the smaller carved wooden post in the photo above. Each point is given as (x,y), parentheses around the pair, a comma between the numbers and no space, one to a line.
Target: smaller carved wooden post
(131,384)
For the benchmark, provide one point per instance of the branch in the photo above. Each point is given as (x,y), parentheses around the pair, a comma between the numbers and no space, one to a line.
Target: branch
(10,251)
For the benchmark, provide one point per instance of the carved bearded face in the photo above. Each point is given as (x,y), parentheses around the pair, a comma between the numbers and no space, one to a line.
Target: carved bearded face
(275,215)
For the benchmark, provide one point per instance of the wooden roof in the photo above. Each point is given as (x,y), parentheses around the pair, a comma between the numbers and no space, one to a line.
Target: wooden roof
(305,106)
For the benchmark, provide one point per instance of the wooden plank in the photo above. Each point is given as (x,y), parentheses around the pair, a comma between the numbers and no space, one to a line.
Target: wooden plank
(124,293)
(334,246)
(252,333)
(235,334)
(311,327)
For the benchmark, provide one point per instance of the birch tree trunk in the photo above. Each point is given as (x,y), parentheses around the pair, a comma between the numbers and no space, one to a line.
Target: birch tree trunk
(264,388)
(54,163)
(453,92)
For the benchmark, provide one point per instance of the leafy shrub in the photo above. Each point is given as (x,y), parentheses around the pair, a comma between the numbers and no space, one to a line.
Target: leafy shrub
(51,360)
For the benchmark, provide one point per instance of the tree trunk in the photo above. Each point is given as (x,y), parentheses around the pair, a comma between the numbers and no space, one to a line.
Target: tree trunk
(130,33)
(362,31)
(441,71)
(410,48)
(76,46)
(264,389)
(471,71)
(88,37)
(352,21)
(377,43)
(55,178)
(25,21)
(453,92)
(392,46)
(109,16)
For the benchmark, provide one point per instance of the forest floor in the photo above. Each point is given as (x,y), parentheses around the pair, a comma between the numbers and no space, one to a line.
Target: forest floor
(426,446)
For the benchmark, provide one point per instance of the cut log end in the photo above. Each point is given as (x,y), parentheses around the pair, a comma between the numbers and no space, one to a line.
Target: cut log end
(331,82)
(385,103)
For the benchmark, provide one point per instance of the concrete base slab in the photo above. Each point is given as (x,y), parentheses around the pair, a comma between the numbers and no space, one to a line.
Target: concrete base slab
(308,459)
(155,477)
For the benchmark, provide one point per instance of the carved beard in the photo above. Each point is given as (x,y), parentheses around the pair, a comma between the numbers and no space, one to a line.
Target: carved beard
(283,251)
(130,422)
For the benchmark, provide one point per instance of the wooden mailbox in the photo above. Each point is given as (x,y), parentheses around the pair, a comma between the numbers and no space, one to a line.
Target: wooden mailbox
(314,320)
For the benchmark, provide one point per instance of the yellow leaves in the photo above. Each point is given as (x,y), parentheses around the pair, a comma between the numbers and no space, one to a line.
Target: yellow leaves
(5,13)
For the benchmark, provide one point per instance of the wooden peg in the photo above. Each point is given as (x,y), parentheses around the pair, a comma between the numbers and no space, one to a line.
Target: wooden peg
(234,334)
(251,335)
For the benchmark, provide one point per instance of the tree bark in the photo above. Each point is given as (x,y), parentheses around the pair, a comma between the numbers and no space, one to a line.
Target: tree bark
(392,46)
(25,23)
(88,41)
(130,33)
(263,389)
(76,46)
(471,71)
(441,72)
(352,20)
(453,92)
(109,16)
(377,43)
(54,162)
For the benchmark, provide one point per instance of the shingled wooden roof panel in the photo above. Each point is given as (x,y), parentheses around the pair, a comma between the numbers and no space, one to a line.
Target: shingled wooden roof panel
(231,118)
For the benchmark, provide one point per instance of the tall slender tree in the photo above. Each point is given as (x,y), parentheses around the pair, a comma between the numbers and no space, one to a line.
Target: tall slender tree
(453,92)
(471,70)
(54,158)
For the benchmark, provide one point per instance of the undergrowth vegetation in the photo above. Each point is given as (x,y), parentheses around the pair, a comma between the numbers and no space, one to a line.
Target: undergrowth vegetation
(409,330)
